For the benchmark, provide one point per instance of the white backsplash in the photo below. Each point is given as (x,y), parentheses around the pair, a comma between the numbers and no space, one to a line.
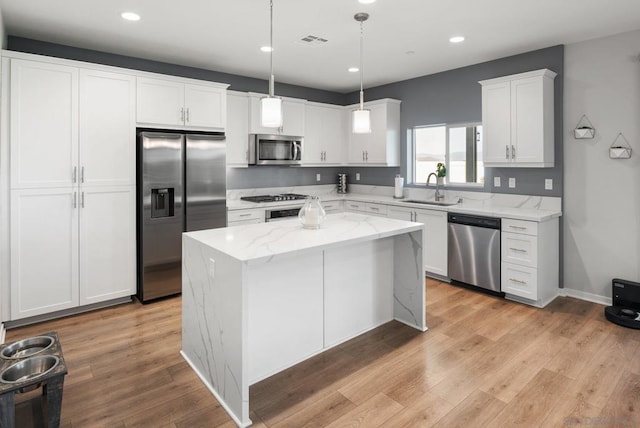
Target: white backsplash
(469,199)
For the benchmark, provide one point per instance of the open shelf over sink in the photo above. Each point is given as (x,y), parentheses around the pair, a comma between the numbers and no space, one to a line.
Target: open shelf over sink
(425,202)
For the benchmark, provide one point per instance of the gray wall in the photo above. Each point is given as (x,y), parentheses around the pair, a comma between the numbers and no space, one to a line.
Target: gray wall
(238,83)
(455,96)
(449,97)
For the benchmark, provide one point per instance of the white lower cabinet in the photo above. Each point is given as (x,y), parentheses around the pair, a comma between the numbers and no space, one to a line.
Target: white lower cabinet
(44,251)
(71,247)
(107,244)
(333,207)
(530,260)
(435,235)
(249,216)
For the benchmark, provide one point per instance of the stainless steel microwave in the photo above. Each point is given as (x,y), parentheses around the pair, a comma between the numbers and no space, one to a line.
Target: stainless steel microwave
(275,149)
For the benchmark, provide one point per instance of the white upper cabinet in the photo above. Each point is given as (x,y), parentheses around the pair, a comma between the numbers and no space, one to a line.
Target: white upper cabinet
(293,117)
(381,147)
(172,103)
(518,120)
(237,132)
(324,142)
(43,124)
(107,129)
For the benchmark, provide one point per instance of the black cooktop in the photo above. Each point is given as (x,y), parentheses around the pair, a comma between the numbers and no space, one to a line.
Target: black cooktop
(274,198)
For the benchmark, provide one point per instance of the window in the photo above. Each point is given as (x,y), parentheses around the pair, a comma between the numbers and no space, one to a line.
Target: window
(459,147)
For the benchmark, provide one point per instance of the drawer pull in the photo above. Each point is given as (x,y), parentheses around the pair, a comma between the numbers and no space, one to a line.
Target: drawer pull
(375,209)
(518,250)
(244,215)
(518,227)
(517,281)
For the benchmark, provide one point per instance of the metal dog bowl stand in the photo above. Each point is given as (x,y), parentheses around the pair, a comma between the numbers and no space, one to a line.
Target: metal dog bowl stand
(51,380)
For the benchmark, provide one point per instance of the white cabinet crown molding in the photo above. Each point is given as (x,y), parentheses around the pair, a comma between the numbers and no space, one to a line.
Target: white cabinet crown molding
(545,72)
(109,68)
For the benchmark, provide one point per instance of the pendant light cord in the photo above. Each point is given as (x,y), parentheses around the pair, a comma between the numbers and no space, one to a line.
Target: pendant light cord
(271,78)
(361,67)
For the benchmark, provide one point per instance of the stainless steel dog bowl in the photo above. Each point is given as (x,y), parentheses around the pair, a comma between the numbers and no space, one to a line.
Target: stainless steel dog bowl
(29,368)
(27,347)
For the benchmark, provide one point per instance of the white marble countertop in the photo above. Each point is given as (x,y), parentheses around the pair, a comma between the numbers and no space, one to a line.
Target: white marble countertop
(257,242)
(477,207)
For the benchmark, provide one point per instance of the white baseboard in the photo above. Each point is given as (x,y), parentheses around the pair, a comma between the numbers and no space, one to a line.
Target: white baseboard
(2,332)
(583,295)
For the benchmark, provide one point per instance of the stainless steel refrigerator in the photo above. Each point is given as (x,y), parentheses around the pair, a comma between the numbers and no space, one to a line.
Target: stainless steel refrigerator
(181,187)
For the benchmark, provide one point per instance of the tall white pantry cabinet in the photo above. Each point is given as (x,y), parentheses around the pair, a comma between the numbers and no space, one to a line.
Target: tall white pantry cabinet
(71,185)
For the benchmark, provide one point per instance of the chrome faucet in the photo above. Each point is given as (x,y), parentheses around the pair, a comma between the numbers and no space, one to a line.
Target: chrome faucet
(439,197)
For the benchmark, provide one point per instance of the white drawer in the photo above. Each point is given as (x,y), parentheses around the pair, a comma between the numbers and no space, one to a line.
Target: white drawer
(519,226)
(241,215)
(376,209)
(520,281)
(333,206)
(355,206)
(520,249)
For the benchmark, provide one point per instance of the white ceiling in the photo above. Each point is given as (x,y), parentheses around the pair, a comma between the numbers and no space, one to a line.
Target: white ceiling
(226,35)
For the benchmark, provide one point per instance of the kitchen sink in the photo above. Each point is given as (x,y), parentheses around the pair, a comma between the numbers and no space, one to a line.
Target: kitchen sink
(425,202)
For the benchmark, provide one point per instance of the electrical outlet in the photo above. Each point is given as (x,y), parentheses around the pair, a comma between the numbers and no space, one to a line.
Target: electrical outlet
(357,176)
(512,182)
(496,181)
(212,268)
(317,177)
(548,184)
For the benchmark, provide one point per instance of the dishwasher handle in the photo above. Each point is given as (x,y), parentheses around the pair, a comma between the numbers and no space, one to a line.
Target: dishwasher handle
(473,220)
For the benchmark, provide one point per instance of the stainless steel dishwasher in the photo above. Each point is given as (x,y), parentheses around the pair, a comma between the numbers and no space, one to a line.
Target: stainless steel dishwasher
(474,251)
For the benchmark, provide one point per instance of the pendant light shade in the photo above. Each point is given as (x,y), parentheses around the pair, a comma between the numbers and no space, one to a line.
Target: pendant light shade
(361,119)
(271,112)
(271,107)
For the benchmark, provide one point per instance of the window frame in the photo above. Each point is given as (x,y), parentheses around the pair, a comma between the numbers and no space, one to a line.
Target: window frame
(411,165)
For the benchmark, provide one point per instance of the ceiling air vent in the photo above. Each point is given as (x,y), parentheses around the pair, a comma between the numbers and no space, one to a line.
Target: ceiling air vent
(311,40)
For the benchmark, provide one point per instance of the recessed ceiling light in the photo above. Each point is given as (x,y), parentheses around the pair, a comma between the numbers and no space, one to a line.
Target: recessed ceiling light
(457,39)
(366,1)
(130,16)
(410,52)
(353,69)
(266,49)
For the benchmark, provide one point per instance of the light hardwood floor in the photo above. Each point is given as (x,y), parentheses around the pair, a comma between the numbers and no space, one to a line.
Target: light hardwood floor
(484,361)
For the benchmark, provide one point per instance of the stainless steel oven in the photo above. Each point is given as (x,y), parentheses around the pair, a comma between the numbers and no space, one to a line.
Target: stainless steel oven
(278,214)
(275,149)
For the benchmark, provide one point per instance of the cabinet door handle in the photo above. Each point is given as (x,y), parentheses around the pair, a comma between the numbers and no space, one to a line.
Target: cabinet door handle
(517,281)
(82,174)
(182,114)
(513,152)
(363,156)
(187,114)
(244,215)
(75,201)
(366,156)
(518,227)
(82,200)
(506,154)
(374,209)
(518,250)
(74,174)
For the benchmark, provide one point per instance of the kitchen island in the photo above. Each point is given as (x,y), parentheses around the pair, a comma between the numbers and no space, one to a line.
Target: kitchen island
(257,299)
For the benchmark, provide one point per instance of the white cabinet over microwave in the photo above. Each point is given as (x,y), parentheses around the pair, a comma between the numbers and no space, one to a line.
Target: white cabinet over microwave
(292,116)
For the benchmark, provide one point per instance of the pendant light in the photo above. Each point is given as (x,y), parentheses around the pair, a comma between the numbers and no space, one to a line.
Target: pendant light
(271,107)
(361,120)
